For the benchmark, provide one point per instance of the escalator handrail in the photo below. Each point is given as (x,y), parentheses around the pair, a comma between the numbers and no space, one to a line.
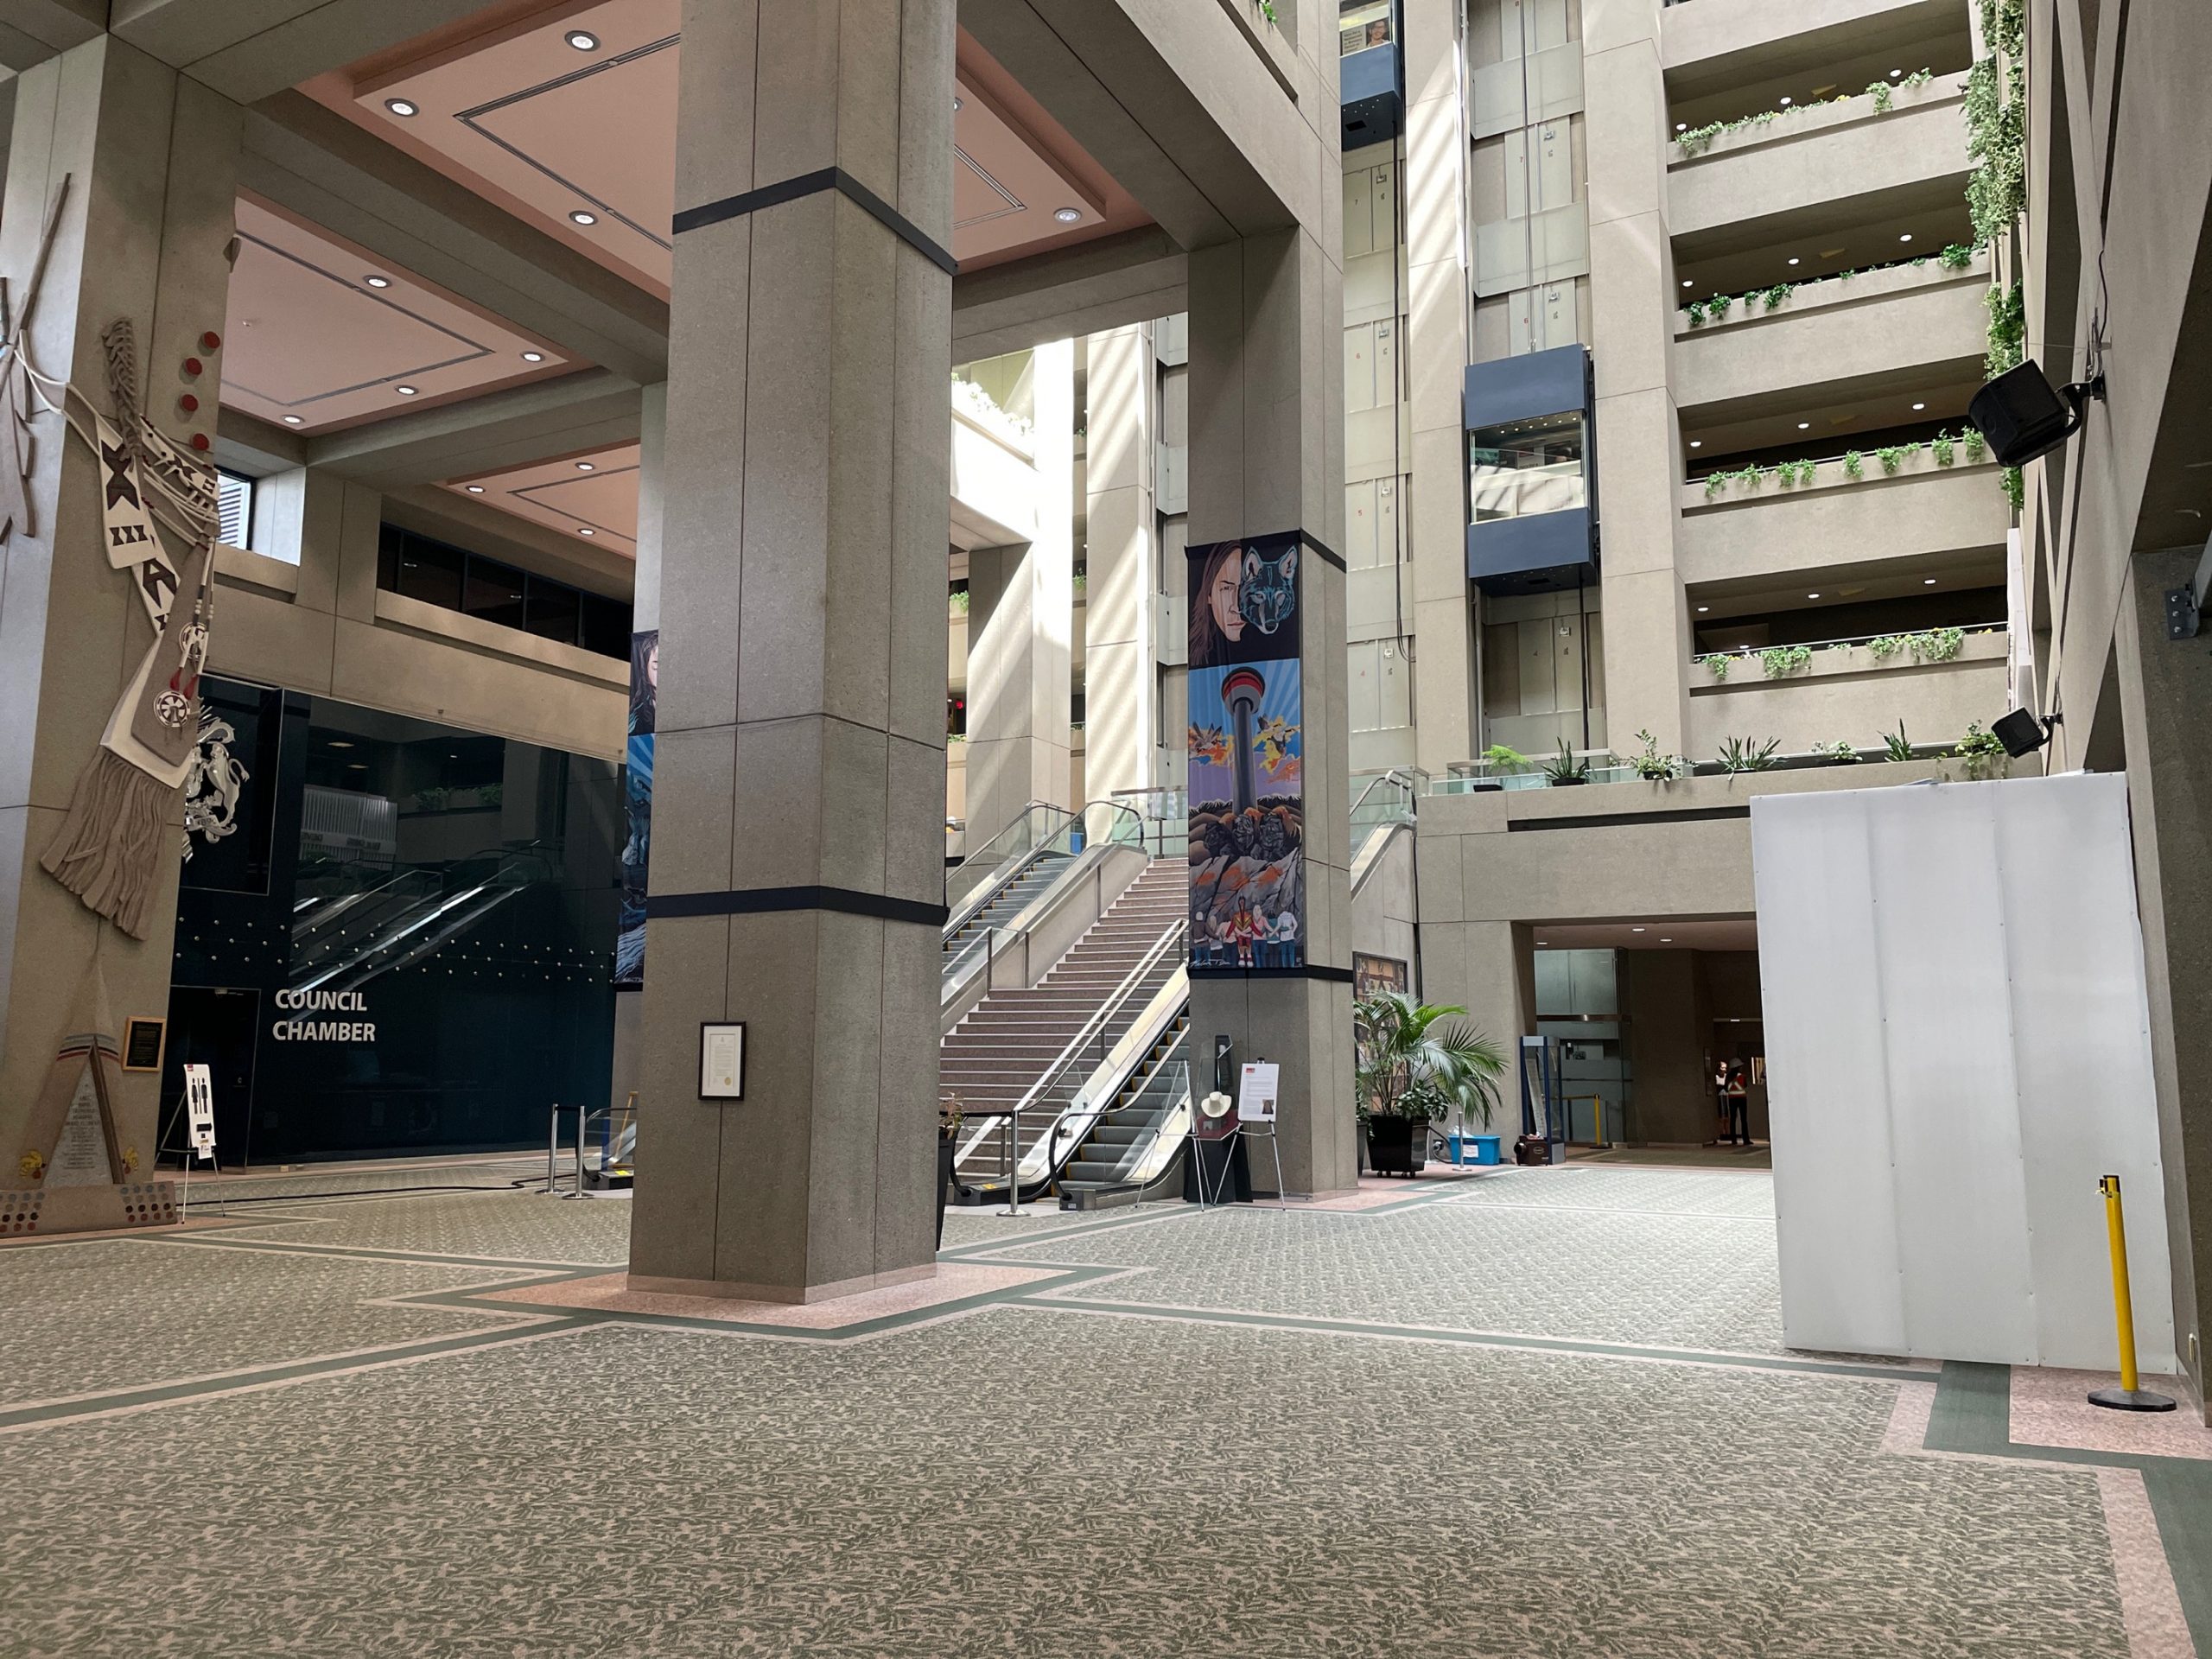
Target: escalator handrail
(1094,1115)
(979,900)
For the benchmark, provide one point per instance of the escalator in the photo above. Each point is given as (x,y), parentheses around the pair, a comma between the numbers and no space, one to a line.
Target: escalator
(343,940)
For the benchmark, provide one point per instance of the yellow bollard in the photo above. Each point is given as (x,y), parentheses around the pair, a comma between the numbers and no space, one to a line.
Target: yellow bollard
(2128,1396)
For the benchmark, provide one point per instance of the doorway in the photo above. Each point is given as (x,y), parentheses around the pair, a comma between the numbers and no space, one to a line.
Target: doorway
(218,1027)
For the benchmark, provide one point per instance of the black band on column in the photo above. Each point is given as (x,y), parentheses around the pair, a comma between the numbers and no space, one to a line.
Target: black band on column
(1333,975)
(761,901)
(1321,550)
(811,184)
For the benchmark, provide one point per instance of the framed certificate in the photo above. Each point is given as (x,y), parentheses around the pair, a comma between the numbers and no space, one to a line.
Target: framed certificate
(721,1061)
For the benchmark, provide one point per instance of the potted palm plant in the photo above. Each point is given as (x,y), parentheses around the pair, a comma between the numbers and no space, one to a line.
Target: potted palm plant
(948,1153)
(1417,1063)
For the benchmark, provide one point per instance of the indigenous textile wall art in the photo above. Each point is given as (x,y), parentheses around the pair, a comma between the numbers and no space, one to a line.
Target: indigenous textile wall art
(1246,757)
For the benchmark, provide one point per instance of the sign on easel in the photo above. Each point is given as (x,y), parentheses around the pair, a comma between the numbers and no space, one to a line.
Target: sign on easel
(1257,1090)
(200,1109)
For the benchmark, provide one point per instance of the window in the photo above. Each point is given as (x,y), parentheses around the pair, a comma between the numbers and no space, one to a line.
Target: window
(234,509)
(1526,468)
(454,580)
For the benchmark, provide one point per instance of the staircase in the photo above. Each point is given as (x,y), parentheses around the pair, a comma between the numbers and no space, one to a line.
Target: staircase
(1011,1038)
(1126,1136)
(1009,902)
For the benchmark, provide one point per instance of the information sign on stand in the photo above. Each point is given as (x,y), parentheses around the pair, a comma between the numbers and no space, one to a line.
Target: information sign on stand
(1256,1092)
(200,1109)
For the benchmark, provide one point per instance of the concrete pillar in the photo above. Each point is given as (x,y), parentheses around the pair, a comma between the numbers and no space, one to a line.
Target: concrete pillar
(2165,699)
(1020,614)
(152,162)
(1267,455)
(1446,683)
(628,1072)
(1120,614)
(1632,308)
(798,872)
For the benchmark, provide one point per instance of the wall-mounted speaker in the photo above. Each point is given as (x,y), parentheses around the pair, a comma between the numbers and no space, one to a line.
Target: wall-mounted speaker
(2023,417)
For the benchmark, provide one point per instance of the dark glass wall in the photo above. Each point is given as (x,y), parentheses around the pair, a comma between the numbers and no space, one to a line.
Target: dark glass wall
(405,946)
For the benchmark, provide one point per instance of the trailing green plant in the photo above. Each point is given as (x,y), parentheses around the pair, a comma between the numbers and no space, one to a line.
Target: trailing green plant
(1891,456)
(1697,140)
(1775,295)
(960,600)
(1882,97)
(2015,484)
(1996,123)
(1937,644)
(1717,665)
(1421,1060)
(1778,662)
(1695,312)
(1939,446)
(1654,767)
(1748,754)
(1502,759)
(1886,646)
(1956,256)
(2008,329)
(1267,10)
(1982,751)
(1855,465)
(1565,768)
(1896,745)
(1841,753)
(1974,444)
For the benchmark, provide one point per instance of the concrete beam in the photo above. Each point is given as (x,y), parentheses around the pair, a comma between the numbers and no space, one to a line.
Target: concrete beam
(1136,277)
(248,52)
(317,164)
(1175,101)
(31,31)
(445,517)
(592,409)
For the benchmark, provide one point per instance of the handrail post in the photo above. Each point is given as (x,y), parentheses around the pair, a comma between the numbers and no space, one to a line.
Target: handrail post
(1013,1162)
(552,1147)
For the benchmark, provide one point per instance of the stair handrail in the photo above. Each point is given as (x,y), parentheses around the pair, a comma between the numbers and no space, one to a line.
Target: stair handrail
(1084,1108)
(1134,1169)
(1092,1028)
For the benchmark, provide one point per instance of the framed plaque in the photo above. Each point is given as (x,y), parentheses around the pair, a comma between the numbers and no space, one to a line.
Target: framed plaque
(721,1061)
(143,1038)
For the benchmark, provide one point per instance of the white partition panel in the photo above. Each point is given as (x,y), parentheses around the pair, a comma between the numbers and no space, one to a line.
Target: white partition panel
(1957,1048)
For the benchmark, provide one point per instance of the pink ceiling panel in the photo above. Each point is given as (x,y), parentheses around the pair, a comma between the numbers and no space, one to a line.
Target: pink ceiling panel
(596,492)
(321,334)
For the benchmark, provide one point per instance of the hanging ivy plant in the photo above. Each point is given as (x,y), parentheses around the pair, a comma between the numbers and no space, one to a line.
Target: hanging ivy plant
(2008,329)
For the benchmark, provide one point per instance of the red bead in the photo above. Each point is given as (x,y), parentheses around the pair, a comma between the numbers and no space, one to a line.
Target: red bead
(189,404)
(199,440)
(192,365)
(211,341)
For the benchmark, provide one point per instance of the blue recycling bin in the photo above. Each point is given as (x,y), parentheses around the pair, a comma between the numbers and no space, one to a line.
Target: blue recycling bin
(1475,1149)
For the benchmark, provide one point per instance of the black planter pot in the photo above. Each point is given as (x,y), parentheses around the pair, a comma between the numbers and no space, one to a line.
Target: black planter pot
(947,1149)
(1397,1145)
(1567,783)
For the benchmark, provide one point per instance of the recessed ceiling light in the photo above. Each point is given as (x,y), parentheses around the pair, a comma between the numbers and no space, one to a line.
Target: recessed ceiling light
(339,743)
(1927,581)
(377,282)
(1792,259)
(1785,103)
(1918,407)
(1636,930)
(582,39)
(1697,443)
(585,529)
(476,489)
(1663,939)
(1804,426)
(586,466)
(957,104)
(403,107)
(1067,216)
(404,391)
(1687,283)
(292,420)
(580,217)
(1702,609)
(1812,595)
(1682,126)
(533,357)
(1907,237)
(1894,73)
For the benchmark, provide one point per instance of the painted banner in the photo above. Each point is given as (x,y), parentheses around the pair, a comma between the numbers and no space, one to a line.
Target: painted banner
(1247,756)
(638,795)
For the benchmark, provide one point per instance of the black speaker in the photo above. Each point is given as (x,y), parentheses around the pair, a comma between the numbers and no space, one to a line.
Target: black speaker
(2023,417)
(2020,732)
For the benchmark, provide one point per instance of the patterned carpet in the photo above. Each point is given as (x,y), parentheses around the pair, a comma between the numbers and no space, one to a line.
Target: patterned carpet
(1544,1414)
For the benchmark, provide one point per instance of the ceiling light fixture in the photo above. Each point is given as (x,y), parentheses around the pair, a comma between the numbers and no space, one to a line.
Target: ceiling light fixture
(293,420)
(580,217)
(1918,407)
(957,104)
(476,489)
(1927,581)
(377,282)
(1804,426)
(1812,595)
(585,529)
(1067,216)
(1785,103)
(1663,939)
(403,107)
(1702,609)
(340,743)
(586,466)
(533,357)
(1687,283)
(1792,259)
(582,39)
(1894,73)
(1682,126)
(404,391)
(1636,930)
(1907,237)
(1697,443)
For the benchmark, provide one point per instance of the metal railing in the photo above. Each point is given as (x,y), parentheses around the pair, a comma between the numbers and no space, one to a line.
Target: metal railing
(970,884)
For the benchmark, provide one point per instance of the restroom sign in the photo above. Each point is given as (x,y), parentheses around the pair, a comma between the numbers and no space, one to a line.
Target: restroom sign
(200,1109)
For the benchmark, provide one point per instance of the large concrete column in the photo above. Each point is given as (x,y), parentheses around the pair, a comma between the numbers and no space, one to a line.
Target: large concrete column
(152,162)
(2165,698)
(1266,455)
(1632,308)
(1121,685)
(798,872)
(1446,683)
(1020,615)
